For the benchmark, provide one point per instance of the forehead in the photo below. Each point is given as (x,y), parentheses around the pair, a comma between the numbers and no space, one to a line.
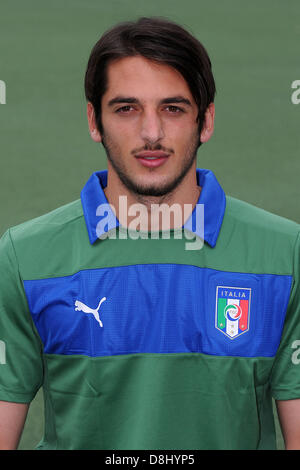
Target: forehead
(143,78)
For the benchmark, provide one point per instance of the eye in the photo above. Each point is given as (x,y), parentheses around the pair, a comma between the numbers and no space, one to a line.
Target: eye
(124,109)
(174,109)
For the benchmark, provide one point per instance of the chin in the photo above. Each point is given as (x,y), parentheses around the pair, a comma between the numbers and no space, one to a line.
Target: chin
(154,189)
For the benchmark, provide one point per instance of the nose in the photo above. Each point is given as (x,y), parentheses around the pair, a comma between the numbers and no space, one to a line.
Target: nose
(152,127)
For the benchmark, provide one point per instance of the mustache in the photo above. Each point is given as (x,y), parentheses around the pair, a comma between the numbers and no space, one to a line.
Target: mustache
(153,147)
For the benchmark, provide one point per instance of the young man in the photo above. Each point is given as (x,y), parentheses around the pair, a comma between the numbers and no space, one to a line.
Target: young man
(139,342)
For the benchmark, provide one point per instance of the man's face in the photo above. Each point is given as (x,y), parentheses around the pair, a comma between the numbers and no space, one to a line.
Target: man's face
(150,128)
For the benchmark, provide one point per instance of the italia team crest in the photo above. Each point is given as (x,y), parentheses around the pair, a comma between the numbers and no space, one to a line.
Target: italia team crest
(233,310)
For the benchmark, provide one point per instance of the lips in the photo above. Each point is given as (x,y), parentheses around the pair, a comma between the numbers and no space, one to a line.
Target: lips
(152,158)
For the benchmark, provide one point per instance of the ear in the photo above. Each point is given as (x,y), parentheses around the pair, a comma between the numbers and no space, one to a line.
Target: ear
(208,124)
(94,133)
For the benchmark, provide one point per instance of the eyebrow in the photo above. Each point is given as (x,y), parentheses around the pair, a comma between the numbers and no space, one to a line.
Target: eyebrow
(132,100)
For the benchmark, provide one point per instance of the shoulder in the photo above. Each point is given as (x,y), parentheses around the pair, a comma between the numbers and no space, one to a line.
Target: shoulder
(249,217)
(42,245)
(47,224)
(255,240)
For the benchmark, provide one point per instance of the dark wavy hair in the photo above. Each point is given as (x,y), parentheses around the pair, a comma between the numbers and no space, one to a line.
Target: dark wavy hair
(157,39)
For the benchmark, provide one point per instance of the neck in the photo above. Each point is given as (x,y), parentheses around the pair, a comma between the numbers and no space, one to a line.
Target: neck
(153,213)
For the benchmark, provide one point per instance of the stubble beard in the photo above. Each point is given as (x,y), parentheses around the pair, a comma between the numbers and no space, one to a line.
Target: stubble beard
(144,191)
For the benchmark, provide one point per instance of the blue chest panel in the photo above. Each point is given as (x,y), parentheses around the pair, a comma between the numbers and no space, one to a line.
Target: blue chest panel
(159,308)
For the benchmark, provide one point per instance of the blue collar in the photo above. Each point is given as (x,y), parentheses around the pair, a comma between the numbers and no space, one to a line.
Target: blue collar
(212,196)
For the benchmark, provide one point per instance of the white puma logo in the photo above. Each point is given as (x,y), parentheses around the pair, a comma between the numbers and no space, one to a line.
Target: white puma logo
(84,308)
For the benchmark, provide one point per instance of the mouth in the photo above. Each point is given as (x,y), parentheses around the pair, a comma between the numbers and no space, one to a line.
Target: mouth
(152,158)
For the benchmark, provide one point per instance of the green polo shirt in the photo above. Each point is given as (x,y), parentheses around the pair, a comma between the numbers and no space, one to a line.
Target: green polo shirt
(141,343)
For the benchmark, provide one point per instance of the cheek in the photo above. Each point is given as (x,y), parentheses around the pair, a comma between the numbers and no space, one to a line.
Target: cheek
(122,131)
(182,132)
(118,142)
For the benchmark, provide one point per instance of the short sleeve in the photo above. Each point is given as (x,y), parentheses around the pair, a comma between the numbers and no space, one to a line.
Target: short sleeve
(21,363)
(285,379)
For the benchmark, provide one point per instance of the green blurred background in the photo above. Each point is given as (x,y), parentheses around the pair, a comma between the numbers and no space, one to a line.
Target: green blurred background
(46,154)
